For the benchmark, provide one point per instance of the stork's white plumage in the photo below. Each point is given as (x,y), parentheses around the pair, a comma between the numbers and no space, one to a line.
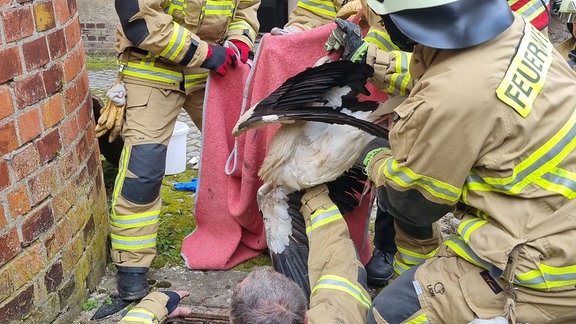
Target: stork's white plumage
(324,129)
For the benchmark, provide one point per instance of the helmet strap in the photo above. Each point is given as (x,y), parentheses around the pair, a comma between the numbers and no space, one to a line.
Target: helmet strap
(402,41)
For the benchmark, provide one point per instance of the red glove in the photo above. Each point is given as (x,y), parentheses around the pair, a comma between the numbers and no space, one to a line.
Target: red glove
(219,59)
(245,51)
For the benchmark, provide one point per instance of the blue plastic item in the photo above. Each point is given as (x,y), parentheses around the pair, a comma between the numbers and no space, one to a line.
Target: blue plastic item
(186,186)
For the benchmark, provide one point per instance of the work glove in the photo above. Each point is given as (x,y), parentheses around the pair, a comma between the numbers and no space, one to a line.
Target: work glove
(112,114)
(219,59)
(245,51)
(292,29)
(174,310)
(373,147)
(315,198)
(348,38)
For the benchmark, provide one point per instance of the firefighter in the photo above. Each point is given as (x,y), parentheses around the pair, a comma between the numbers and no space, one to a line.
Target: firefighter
(488,133)
(396,82)
(165,51)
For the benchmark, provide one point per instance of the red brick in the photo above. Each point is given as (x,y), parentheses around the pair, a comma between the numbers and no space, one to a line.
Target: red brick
(62,11)
(85,114)
(71,98)
(11,64)
(42,185)
(82,150)
(8,138)
(25,162)
(30,90)
(52,110)
(18,23)
(72,7)
(9,245)
(29,125)
(38,222)
(53,78)
(3,221)
(73,64)
(54,277)
(6,102)
(67,165)
(58,238)
(5,2)
(6,287)
(4,176)
(44,16)
(48,146)
(69,131)
(73,35)
(19,202)
(35,53)
(28,265)
(57,43)
(18,307)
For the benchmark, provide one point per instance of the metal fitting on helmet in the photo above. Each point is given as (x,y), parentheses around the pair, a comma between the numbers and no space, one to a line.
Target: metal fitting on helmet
(447,24)
(567,11)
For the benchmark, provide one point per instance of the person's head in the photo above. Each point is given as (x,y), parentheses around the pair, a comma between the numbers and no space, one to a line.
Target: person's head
(443,24)
(267,297)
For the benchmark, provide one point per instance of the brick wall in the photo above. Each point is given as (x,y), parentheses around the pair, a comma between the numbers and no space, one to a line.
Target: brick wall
(53,210)
(98,20)
(99,37)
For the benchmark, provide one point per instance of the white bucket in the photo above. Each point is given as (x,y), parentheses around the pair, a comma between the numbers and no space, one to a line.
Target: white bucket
(176,154)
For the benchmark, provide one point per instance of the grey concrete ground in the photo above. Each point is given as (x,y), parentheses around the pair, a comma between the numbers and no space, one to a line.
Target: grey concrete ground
(210,290)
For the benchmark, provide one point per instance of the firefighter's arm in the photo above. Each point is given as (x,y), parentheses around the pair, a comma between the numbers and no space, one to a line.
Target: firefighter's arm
(391,66)
(337,277)
(409,206)
(312,14)
(156,307)
(147,27)
(245,25)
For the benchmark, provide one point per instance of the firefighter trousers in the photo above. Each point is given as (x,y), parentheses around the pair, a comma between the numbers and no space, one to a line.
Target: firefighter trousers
(150,118)
(449,289)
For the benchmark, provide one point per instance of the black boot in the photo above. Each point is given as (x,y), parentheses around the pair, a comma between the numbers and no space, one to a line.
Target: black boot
(132,283)
(379,269)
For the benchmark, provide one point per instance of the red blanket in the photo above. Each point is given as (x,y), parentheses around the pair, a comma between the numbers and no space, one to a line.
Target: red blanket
(230,229)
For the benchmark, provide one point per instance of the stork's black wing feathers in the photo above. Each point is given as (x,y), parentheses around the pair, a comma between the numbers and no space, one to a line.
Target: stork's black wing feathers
(305,97)
(312,84)
(324,115)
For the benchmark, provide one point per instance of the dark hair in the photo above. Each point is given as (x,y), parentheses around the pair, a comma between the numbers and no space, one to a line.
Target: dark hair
(267,297)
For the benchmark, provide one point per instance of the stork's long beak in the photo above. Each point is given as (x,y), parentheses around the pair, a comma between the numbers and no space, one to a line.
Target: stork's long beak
(241,125)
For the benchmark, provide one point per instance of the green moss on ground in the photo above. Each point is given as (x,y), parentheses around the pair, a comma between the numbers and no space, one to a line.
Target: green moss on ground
(95,62)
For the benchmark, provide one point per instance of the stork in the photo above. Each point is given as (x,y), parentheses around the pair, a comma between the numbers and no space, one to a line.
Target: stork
(324,127)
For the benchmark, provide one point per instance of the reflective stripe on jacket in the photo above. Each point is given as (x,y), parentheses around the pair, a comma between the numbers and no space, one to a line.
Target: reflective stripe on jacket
(170,38)
(535,11)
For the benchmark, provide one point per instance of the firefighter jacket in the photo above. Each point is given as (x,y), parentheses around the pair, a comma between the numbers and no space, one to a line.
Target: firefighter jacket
(168,39)
(337,277)
(491,131)
(150,310)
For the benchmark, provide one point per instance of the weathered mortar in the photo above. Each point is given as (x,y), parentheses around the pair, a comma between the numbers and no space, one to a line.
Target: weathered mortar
(53,211)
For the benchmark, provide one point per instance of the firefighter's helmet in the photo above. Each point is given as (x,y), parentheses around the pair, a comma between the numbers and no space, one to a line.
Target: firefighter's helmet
(446,24)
